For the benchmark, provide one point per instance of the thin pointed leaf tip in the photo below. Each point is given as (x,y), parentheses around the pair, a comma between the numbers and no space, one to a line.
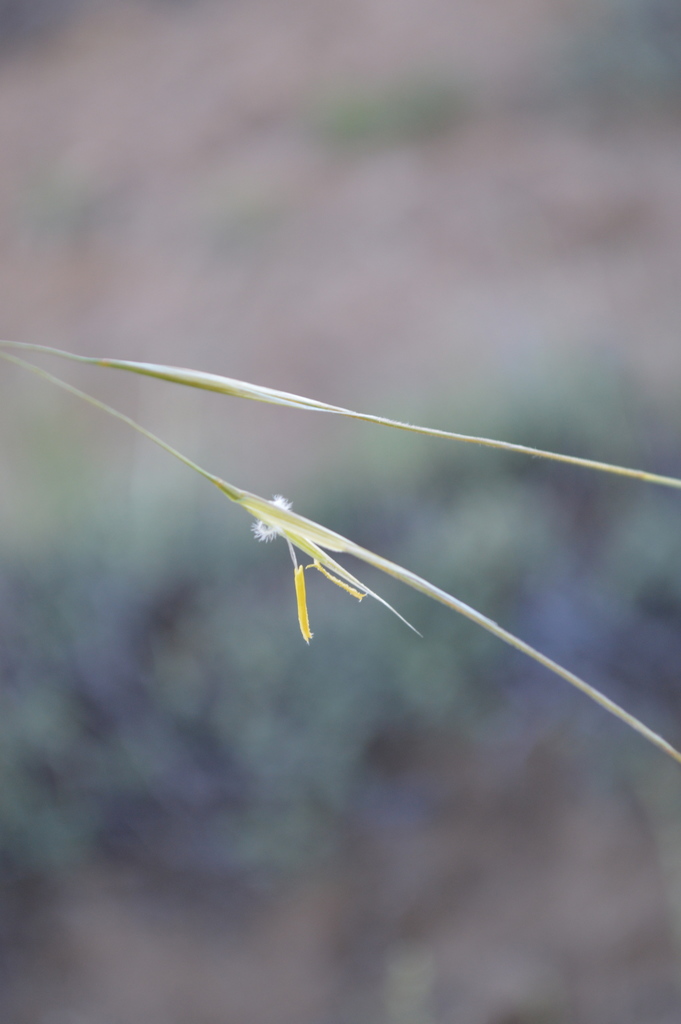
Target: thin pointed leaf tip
(309,539)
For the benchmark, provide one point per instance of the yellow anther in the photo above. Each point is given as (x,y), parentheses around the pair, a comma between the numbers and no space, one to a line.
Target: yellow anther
(301,598)
(334,579)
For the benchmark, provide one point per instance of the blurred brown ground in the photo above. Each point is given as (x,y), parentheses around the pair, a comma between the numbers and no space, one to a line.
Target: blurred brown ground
(165,196)
(526,898)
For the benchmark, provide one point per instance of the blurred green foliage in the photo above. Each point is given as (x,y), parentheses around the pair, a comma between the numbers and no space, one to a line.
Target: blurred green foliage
(59,207)
(409,110)
(157,701)
(631,54)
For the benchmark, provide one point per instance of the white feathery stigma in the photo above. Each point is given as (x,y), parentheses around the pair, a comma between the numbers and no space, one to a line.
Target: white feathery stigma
(263,531)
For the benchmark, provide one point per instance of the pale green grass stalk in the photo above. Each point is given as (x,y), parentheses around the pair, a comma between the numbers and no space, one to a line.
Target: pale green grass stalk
(241,389)
(316,541)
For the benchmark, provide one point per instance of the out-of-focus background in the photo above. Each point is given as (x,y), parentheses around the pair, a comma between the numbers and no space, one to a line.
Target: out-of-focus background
(455,212)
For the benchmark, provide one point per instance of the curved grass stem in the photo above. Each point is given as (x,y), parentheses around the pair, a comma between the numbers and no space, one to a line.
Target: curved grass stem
(316,540)
(241,389)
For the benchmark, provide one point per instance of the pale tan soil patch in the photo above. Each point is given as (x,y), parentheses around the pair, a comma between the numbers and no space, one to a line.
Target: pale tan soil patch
(163,195)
